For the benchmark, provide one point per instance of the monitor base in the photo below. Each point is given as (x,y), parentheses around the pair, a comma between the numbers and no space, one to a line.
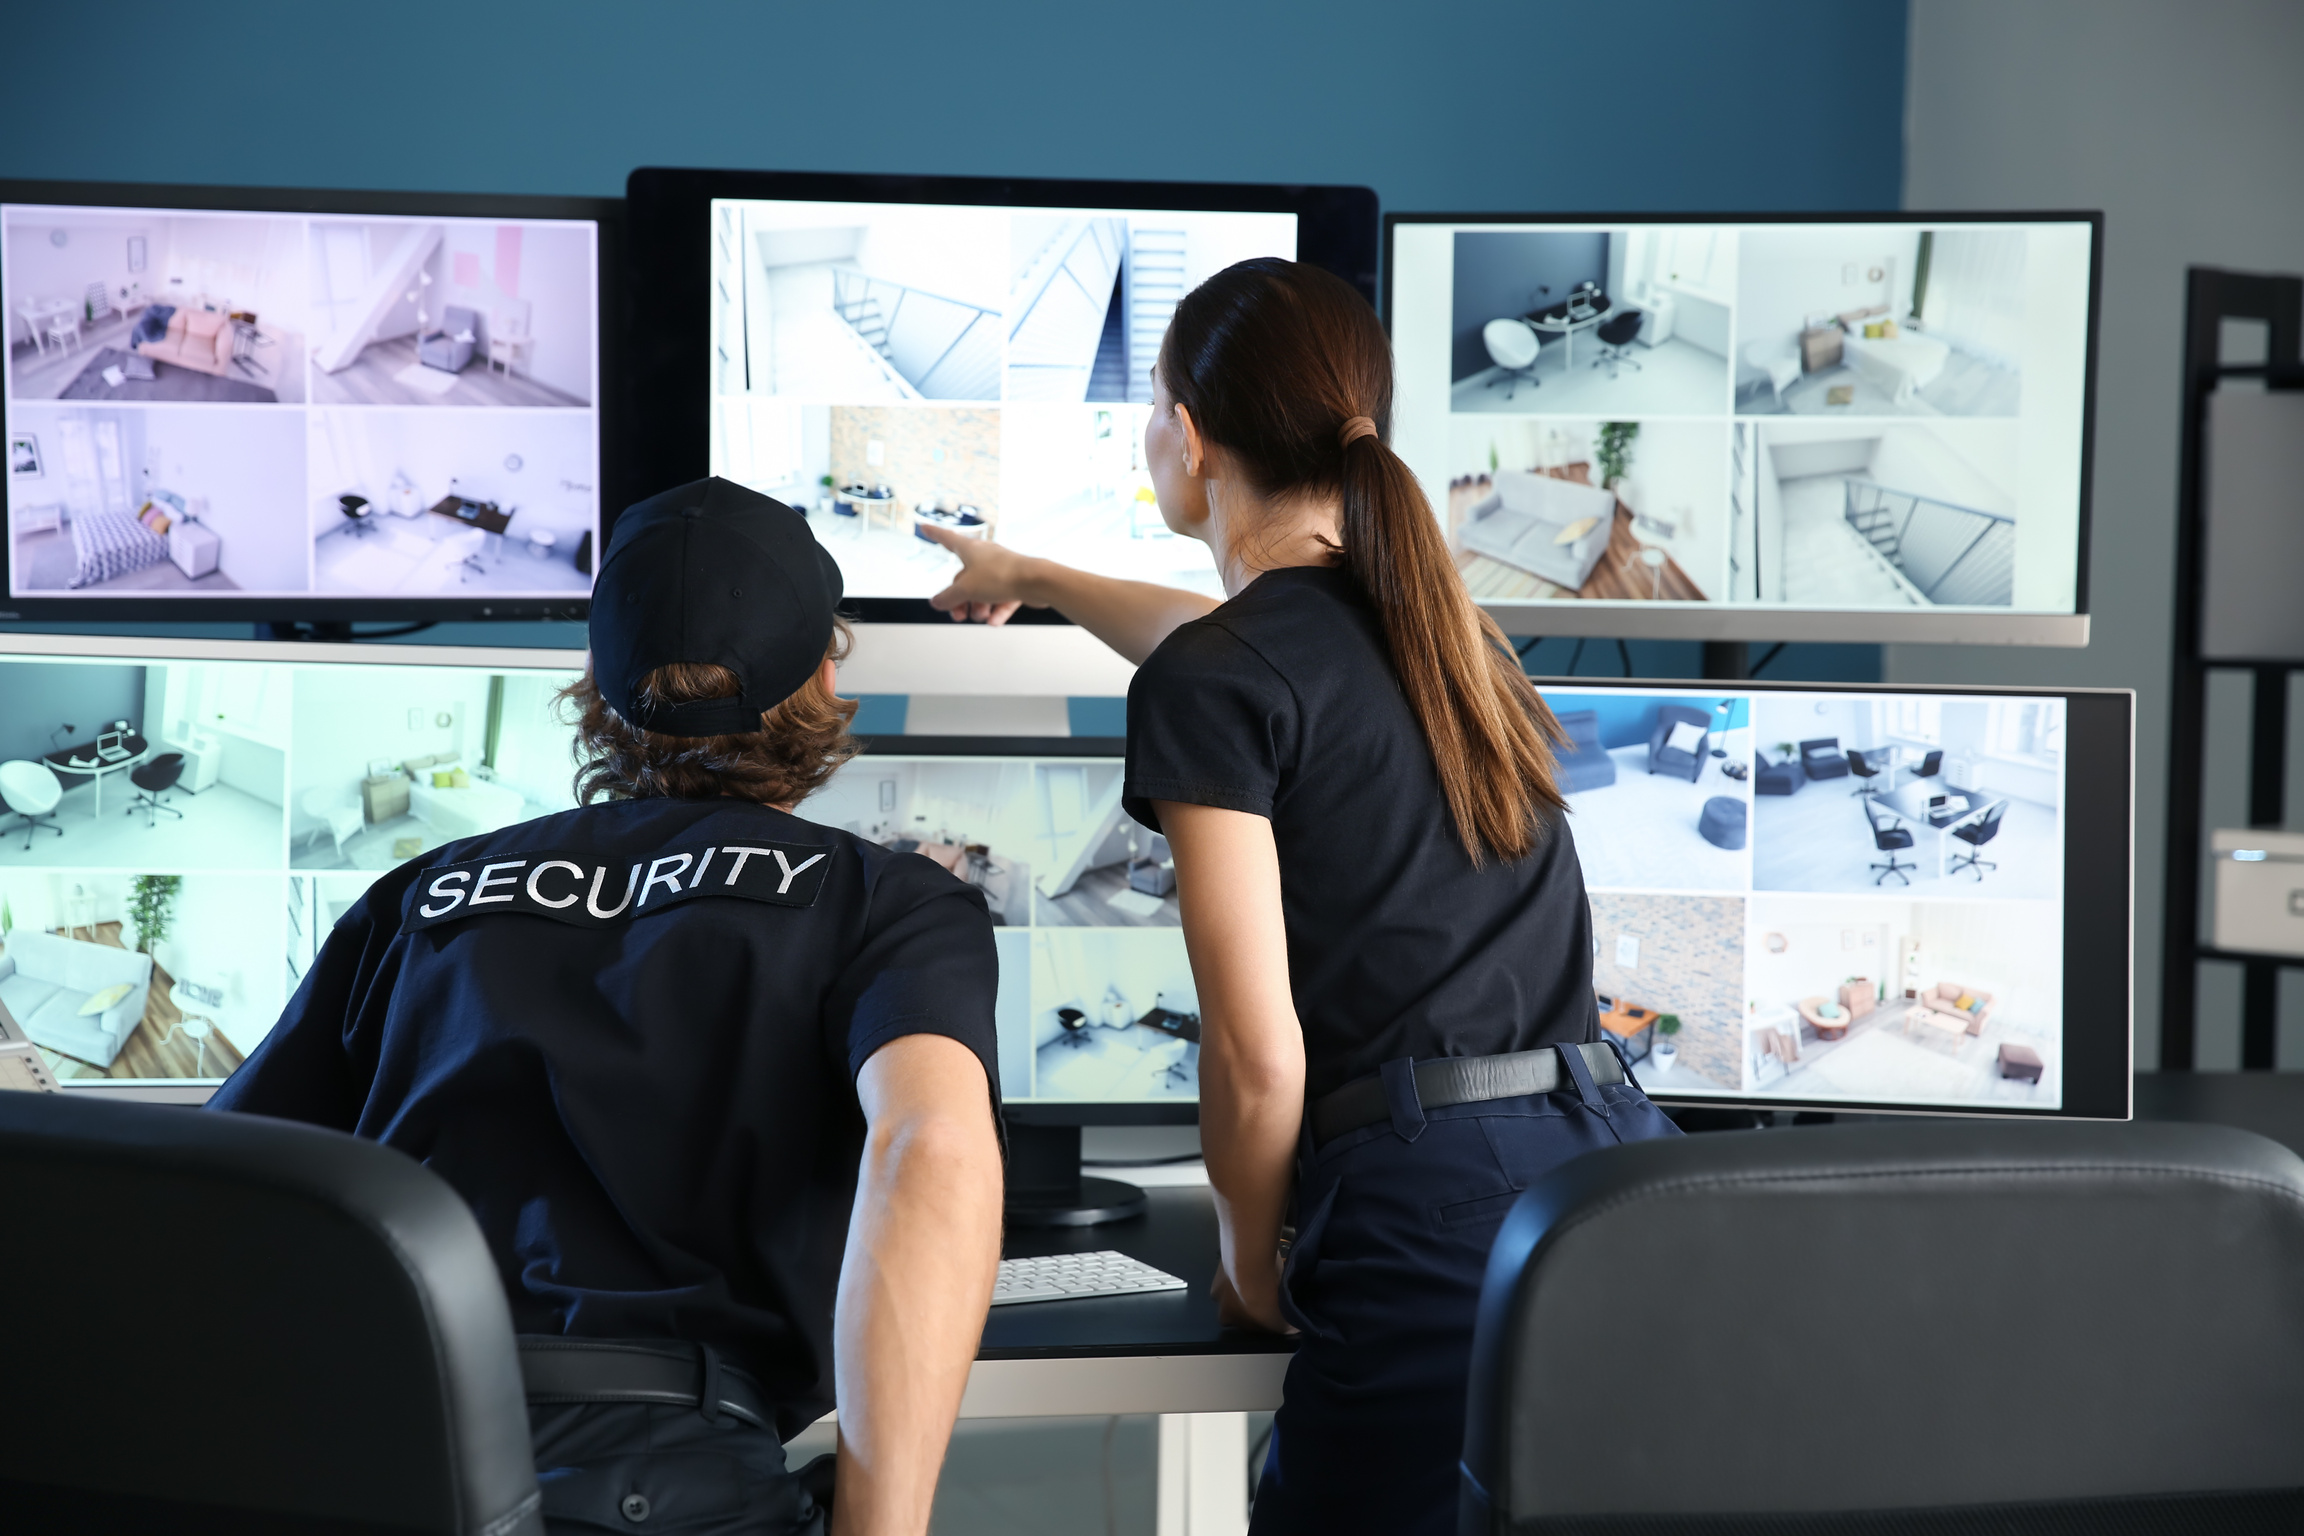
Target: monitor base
(1047,1189)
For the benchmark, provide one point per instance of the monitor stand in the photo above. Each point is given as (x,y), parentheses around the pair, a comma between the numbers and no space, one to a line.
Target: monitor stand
(1047,1189)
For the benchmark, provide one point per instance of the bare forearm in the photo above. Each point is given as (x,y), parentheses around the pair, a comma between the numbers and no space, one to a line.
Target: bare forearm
(1249,1115)
(917,1277)
(1132,617)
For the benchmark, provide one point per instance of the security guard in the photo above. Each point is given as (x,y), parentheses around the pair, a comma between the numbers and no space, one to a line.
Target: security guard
(677,1048)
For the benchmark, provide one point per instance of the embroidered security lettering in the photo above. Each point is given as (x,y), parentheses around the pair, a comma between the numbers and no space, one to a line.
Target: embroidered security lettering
(582,889)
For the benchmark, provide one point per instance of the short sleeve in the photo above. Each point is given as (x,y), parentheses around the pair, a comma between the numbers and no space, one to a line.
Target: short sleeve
(1210,722)
(927,966)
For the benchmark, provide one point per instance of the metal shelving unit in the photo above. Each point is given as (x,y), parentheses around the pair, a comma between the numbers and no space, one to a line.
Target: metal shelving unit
(2211,298)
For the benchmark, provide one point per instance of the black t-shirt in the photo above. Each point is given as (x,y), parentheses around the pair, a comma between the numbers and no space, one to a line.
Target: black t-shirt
(629,1036)
(1284,703)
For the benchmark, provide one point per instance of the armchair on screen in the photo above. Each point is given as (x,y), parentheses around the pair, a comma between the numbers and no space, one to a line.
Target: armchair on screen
(450,347)
(1680,742)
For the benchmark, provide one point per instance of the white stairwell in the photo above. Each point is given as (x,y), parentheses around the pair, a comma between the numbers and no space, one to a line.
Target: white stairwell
(1155,287)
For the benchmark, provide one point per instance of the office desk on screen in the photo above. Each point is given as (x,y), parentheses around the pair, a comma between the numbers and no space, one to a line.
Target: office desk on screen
(1163,1353)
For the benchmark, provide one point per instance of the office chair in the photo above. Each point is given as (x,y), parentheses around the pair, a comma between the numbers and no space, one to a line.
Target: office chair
(1864,771)
(1930,766)
(152,780)
(1616,333)
(1513,346)
(1955,1328)
(1889,839)
(1976,833)
(31,790)
(335,1356)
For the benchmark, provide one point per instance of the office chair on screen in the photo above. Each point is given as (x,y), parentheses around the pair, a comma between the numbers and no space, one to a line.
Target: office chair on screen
(2007,1310)
(1930,766)
(1865,773)
(1513,346)
(336,1354)
(1616,334)
(152,780)
(1889,836)
(31,790)
(1976,833)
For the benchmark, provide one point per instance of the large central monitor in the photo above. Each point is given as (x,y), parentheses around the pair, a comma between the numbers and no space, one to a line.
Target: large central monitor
(1814,427)
(888,354)
(1896,899)
(241,403)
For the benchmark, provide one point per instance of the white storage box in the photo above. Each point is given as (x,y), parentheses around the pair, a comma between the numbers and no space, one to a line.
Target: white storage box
(2259,891)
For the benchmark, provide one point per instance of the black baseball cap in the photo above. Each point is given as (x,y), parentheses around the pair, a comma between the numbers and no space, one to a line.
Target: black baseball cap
(711,572)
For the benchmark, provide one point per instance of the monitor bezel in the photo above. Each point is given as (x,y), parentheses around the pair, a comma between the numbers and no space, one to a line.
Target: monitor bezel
(1337,228)
(606,212)
(1706,621)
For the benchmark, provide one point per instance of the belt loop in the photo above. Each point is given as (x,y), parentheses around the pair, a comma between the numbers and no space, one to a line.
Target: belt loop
(708,1395)
(1399,1077)
(1572,1057)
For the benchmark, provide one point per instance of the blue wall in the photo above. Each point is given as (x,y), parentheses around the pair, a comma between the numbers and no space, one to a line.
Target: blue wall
(41,697)
(1501,272)
(1457,105)
(1628,720)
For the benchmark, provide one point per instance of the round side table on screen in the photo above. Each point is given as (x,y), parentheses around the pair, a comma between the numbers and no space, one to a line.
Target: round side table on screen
(192,1021)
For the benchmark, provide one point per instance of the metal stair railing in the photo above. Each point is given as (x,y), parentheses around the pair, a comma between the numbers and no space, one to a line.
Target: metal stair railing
(1951,554)
(944,348)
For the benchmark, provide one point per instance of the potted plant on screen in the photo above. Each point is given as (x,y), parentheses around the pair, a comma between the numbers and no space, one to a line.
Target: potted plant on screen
(151,907)
(1615,453)
(1667,1041)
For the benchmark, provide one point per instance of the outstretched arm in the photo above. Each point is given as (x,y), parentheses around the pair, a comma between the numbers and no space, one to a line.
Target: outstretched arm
(1251,1045)
(1132,617)
(923,1246)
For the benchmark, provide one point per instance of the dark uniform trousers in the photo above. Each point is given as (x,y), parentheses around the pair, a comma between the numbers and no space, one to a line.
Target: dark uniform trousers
(1394,1224)
(646,1469)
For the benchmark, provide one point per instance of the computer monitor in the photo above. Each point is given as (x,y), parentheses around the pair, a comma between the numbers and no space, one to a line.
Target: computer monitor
(886,353)
(244,403)
(1860,427)
(1886,899)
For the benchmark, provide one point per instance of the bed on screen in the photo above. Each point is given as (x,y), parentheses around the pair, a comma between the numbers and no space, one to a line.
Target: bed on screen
(106,545)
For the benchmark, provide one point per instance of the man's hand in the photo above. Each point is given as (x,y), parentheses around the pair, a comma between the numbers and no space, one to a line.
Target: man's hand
(923,1247)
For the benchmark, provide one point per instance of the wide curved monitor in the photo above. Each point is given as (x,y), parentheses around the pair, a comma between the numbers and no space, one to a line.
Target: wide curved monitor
(1861,427)
(888,353)
(255,403)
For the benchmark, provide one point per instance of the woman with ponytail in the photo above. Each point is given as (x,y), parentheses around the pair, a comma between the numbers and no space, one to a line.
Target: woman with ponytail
(1379,890)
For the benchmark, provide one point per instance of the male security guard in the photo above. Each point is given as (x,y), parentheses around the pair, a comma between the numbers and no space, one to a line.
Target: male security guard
(651,1040)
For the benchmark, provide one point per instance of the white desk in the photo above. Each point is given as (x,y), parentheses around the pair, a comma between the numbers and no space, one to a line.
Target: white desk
(37,313)
(66,762)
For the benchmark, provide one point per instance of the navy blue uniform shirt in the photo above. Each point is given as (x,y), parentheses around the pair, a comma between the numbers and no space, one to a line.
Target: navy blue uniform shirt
(629,1036)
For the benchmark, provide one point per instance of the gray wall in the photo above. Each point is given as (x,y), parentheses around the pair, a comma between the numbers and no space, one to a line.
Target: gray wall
(1497,273)
(2183,123)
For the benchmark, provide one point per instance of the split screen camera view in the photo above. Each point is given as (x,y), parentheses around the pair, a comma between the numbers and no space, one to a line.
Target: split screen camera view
(1803,896)
(204,402)
(889,367)
(1855,417)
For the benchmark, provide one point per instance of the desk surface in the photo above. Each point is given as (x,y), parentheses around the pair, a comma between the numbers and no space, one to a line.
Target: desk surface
(61,759)
(1163,1353)
(472,514)
(1910,800)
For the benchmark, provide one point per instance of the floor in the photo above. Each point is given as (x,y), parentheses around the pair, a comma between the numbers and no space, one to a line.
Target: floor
(223,828)
(1089,904)
(1816,839)
(1115,1066)
(1113,536)
(1966,387)
(1639,833)
(45,563)
(152,1048)
(369,381)
(1826,563)
(371,848)
(1675,379)
(34,375)
(407,555)
(880,561)
(1879,1061)
(1618,576)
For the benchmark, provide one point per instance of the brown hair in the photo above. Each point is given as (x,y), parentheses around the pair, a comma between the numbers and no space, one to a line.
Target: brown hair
(1274,359)
(799,745)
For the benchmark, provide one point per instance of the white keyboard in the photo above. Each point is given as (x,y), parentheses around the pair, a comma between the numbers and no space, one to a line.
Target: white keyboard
(1071,1276)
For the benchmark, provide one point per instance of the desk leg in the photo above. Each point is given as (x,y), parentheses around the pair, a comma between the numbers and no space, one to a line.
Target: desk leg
(1203,1475)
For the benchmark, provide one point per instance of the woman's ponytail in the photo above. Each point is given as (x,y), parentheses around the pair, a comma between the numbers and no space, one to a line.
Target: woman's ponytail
(1287,367)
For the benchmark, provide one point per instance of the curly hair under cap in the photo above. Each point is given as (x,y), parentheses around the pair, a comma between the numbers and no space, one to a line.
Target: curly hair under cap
(801,742)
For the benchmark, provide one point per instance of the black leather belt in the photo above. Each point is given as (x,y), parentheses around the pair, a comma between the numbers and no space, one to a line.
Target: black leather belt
(561,1370)
(1447,1080)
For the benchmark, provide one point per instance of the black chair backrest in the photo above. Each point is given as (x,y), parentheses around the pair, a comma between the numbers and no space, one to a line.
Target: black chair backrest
(1887,834)
(1987,826)
(1929,765)
(247,1326)
(1948,1327)
(1618,329)
(1859,767)
(160,773)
